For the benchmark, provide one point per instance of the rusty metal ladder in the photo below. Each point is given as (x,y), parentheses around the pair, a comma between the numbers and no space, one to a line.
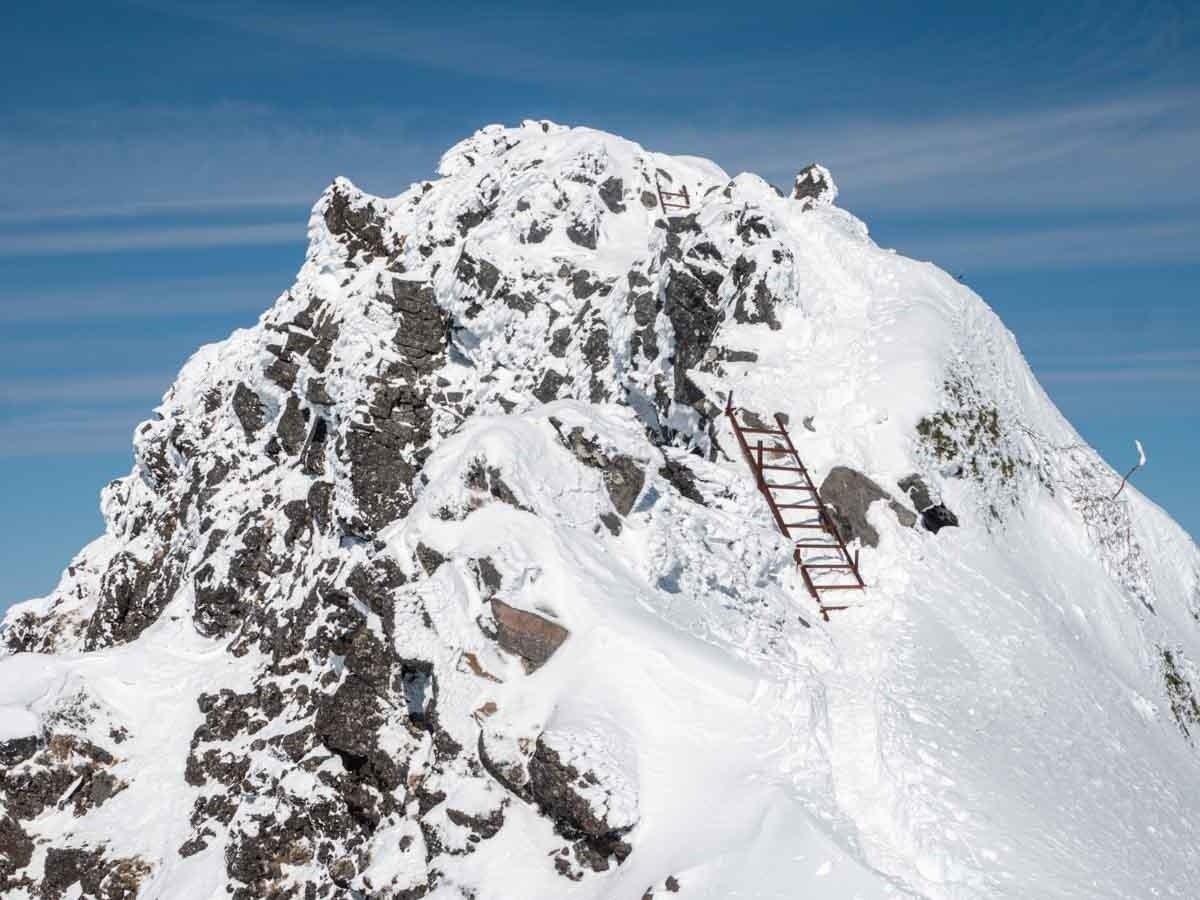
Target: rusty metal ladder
(824,560)
(672,199)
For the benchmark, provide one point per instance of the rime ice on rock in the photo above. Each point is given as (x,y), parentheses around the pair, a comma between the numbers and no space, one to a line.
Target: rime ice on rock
(815,187)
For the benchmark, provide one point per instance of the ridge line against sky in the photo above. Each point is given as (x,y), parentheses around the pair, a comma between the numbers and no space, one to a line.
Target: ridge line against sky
(894,161)
(165,157)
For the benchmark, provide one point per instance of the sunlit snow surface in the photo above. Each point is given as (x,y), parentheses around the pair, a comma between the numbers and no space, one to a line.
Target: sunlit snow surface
(990,720)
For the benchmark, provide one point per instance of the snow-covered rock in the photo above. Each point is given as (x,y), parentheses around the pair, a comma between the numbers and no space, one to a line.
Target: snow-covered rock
(445,579)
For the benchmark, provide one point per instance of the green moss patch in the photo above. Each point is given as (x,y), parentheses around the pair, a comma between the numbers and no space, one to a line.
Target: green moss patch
(971,433)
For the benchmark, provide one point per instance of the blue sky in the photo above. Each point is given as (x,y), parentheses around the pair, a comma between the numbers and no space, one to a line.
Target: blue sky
(160,158)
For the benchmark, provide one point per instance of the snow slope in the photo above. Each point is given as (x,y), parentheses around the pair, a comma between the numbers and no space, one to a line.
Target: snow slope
(445,579)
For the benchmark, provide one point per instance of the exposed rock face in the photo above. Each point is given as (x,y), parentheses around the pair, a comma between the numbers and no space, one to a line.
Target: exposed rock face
(623,476)
(934,517)
(682,479)
(815,187)
(756,304)
(381,472)
(559,790)
(249,410)
(612,192)
(67,772)
(132,597)
(530,636)
(694,316)
(917,490)
(850,494)
(95,874)
(17,750)
(16,850)
(357,222)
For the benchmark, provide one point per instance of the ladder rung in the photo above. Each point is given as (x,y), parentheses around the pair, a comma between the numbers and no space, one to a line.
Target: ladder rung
(834,547)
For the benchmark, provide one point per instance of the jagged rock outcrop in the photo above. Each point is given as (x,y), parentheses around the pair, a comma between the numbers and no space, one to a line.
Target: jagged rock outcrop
(814,187)
(934,516)
(567,796)
(849,494)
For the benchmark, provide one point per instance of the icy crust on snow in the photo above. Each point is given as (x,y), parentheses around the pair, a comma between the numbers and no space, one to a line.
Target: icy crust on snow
(493,402)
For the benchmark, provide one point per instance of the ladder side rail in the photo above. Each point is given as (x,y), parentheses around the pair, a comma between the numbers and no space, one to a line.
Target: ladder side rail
(746,453)
(823,515)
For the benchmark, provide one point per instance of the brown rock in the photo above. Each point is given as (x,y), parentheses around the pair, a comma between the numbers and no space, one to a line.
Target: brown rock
(527,634)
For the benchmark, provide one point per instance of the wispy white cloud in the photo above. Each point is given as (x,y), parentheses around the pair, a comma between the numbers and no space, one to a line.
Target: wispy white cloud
(111,350)
(117,210)
(132,160)
(161,238)
(1159,356)
(1122,375)
(248,294)
(1115,243)
(64,391)
(1099,162)
(74,415)
(509,44)
(1121,153)
(73,432)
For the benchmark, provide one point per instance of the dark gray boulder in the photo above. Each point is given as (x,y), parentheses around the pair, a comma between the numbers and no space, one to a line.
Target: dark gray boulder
(849,494)
(934,516)
(682,479)
(624,479)
(917,490)
(583,233)
(938,517)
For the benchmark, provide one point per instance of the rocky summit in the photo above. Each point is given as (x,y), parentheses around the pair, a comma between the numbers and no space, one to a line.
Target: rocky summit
(447,578)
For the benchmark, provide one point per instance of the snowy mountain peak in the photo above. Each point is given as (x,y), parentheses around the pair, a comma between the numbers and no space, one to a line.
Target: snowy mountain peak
(446,578)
